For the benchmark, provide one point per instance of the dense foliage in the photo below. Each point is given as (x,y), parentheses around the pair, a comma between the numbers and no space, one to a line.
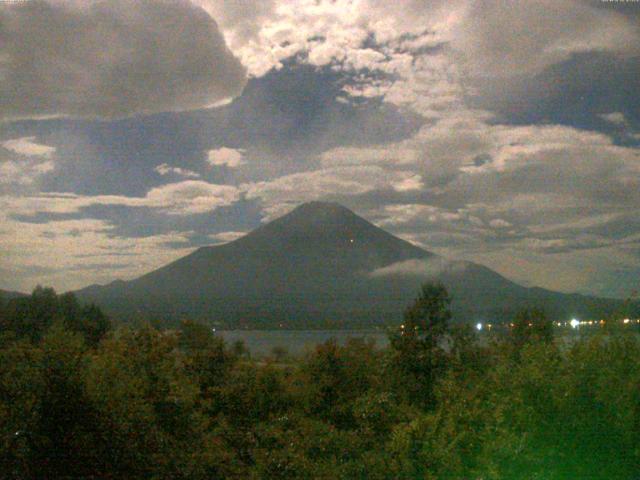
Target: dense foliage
(80,400)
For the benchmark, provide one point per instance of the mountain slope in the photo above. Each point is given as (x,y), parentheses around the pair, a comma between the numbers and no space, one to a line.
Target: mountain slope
(321,264)
(9,295)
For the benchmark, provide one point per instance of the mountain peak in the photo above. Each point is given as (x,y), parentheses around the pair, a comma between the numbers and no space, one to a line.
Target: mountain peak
(319,263)
(322,208)
(317,219)
(328,231)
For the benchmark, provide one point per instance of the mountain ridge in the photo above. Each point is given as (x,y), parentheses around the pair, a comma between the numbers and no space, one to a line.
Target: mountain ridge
(11,294)
(316,266)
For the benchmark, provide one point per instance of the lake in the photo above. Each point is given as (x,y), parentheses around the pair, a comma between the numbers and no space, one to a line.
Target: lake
(295,342)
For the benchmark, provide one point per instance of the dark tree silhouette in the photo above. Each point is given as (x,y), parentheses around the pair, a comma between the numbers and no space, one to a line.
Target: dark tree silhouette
(30,317)
(418,345)
(531,325)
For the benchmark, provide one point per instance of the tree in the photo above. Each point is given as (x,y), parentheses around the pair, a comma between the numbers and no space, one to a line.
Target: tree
(531,325)
(22,386)
(333,377)
(206,357)
(279,353)
(239,348)
(87,320)
(3,310)
(418,346)
(94,324)
(32,316)
(63,440)
(149,408)
(428,317)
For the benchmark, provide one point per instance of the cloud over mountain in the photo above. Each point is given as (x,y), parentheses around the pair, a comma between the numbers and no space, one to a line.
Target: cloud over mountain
(419,267)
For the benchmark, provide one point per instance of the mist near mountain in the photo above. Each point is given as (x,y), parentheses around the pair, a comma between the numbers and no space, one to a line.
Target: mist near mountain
(319,266)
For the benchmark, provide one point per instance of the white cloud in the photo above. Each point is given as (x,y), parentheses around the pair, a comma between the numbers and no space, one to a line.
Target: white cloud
(521,192)
(183,198)
(499,223)
(554,159)
(90,248)
(388,155)
(317,183)
(530,36)
(23,172)
(166,169)
(419,218)
(228,157)
(225,237)
(189,197)
(478,38)
(282,193)
(27,146)
(463,153)
(239,20)
(399,214)
(413,182)
(553,226)
(46,253)
(429,267)
(616,118)
(128,57)
(23,162)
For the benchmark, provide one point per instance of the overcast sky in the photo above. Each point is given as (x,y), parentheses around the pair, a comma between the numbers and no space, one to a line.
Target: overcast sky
(507,133)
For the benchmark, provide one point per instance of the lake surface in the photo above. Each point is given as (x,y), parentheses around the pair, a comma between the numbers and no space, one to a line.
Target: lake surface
(295,342)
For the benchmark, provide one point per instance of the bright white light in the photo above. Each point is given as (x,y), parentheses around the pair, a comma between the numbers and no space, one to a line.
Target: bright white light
(479,326)
(574,323)
(626,320)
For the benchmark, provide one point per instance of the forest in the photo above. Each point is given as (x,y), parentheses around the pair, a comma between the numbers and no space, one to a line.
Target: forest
(82,398)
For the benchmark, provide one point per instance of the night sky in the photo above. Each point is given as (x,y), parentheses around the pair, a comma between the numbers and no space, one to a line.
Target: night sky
(133,131)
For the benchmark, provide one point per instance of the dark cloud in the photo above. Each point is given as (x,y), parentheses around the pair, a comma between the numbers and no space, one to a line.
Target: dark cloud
(111,58)
(575,92)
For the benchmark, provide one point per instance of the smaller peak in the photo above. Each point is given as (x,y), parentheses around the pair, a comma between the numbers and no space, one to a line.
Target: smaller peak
(322,207)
